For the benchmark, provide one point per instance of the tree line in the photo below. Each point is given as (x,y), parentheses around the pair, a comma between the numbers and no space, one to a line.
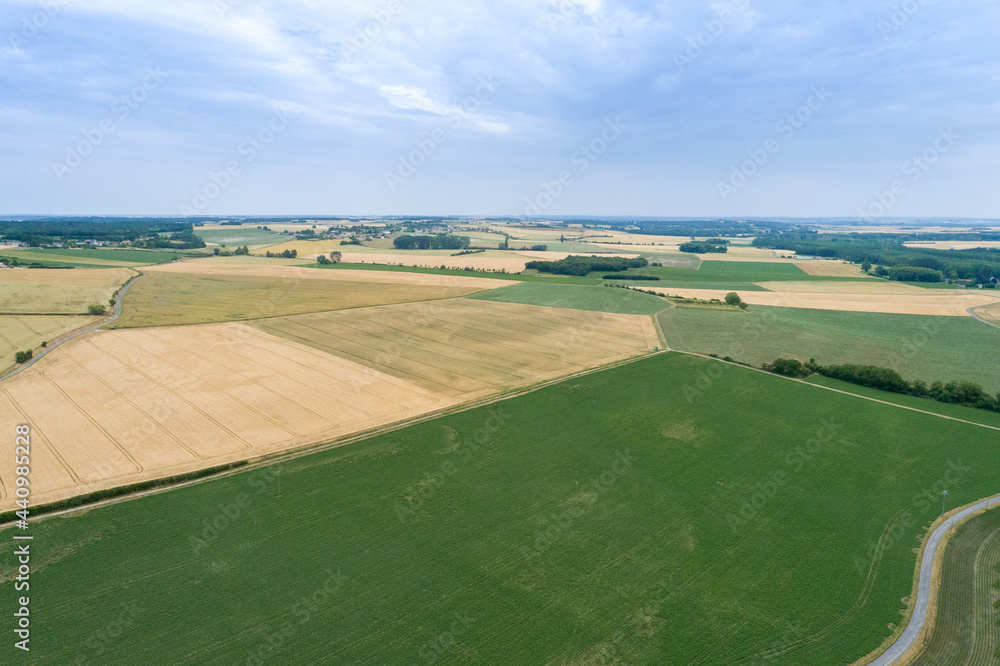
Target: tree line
(968,394)
(581,266)
(435,242)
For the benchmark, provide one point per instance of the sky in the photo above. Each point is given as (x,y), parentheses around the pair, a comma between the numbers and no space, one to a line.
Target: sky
(738,108)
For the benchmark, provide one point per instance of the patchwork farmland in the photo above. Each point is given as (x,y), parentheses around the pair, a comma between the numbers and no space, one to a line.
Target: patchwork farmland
(654,560)
(119,407)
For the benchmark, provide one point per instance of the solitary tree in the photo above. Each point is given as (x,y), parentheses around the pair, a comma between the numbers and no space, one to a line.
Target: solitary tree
(732,298)
(866,265)
(335,256)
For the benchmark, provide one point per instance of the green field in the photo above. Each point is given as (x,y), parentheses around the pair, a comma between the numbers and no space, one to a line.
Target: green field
(98,257)
(577,297)
(167,299)
(596,520)
(965,626)
(917,346)
(233,236)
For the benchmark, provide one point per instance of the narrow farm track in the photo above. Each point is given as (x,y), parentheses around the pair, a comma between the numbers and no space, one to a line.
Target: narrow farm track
(82,331)
(916,624)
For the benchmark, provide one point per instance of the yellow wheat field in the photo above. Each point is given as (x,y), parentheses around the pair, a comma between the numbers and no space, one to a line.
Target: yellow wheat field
(58,290)
(469,348)
(827,268)
(932,302)
(264,268)
(28,332)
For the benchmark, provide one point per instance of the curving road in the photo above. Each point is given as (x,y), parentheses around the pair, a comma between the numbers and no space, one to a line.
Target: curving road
(971,311)
(88,329)
(916,624)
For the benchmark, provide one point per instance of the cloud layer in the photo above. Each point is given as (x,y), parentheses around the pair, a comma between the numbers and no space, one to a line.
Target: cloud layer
(400,106)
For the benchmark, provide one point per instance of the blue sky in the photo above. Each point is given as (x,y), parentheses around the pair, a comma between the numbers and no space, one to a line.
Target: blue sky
(594,107)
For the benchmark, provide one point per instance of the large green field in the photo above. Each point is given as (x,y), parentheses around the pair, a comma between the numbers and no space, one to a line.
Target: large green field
(87,258)
(919,347)
(235,236)
(577,297)
(669,511)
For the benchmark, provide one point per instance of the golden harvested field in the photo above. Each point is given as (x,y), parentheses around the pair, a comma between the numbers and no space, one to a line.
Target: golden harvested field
(265,268)
(741,253)
(990,313)
(512,261)
(875,286)
(930,302)
(831,268)
(117,407)
(952,245)
(57,290)
(468,348)
(172,298)
(303,247)
(23,333)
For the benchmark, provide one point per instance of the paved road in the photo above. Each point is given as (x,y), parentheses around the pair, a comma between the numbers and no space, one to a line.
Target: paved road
(916,623)
(988,323)
(118,312)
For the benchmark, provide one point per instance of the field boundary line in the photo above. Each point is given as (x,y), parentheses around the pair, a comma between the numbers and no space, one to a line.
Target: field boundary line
(72,335)
(841,391)
(286,456)
(930,559)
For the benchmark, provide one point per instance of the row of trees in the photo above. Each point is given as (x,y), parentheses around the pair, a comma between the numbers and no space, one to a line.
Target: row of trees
(581,266)
(705,247)
(968,394)
(435,242)
(286,254)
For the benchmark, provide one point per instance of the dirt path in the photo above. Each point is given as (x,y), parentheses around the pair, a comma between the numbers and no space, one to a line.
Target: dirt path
(79,332)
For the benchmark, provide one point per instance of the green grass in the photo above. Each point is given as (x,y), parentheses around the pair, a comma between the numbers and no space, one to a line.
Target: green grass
(233,237)
(983,416)
(966,621)
(917,346)
(646,566)
(58,257)
(738,273)
(168,299)
(577,297)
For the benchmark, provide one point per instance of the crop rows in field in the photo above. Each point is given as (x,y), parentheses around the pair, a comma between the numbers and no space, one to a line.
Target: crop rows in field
(602,518)
(467,348)
(124,406)
(58,291)
(966,627)
(27,332)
